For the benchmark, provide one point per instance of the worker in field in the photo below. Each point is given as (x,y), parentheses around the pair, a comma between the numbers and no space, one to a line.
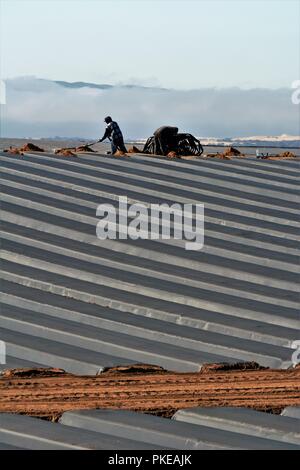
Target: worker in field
(114,134)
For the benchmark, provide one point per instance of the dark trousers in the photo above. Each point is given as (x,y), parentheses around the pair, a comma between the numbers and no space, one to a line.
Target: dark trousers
(118,145)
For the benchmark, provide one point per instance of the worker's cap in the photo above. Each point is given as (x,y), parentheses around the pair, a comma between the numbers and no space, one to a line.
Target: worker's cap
(107,119)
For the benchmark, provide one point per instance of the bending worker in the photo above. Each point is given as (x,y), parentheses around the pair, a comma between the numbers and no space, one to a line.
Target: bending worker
(113,132)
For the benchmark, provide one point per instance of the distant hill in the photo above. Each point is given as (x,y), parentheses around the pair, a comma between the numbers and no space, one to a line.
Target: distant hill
(102,86)
(82,85)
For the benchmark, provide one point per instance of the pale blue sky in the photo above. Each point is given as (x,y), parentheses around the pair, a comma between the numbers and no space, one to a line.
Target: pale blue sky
(181,44)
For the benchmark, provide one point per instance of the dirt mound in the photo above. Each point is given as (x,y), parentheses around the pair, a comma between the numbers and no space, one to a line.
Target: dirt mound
(119,153)
(227,154)
(281,156)
(84,148)
(13,151)
(135,369)
(65,153)
(31,148)
(134,149)
(148,389)
(226,366)
(231,152)
(33,372)
(286,155)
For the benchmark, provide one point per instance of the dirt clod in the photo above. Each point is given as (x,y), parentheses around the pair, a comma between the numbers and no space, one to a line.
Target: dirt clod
(119,153)
(84,148)
(31,148)
(65,153)
(173,155)
(231,152)
(13,151)
(227,154)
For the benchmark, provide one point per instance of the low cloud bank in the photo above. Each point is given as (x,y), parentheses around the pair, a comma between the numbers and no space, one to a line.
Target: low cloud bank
(42,108)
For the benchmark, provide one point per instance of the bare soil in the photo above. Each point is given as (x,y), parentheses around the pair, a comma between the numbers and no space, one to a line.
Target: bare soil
(47,393)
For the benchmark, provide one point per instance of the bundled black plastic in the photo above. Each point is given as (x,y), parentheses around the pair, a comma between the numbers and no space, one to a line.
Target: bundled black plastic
(166,139)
